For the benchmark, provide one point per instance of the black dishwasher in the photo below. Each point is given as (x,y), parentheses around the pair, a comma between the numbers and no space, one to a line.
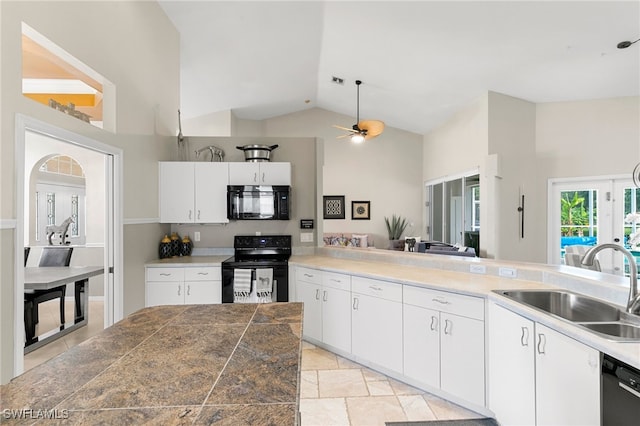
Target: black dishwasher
(620,393)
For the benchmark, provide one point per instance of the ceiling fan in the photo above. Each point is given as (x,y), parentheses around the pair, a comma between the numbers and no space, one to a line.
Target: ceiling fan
(362,130)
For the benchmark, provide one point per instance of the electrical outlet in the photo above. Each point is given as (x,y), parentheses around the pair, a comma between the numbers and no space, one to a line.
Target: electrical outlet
(306,237)
(196,236)
(508,272)
(478,269)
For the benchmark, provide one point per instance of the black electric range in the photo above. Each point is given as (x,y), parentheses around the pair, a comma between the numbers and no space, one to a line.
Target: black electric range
(259,252)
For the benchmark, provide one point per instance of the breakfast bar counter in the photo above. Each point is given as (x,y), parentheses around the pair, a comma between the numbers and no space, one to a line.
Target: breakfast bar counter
(190,364)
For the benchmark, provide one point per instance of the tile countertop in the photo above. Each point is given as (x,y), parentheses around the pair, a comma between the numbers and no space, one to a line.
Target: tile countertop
(473,285)
(190,364)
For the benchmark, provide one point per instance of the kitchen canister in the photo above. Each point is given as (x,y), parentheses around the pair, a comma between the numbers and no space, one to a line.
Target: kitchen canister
(165,247)
(186,247)
(175,244)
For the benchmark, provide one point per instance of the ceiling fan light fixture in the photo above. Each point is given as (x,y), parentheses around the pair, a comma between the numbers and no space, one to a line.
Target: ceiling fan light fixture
(357,138)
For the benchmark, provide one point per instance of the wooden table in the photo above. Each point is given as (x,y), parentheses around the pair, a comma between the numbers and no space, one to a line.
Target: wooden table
(44,278)
(228,364)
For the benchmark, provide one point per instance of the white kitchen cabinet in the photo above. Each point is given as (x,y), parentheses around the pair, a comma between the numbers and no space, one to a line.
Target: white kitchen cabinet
(182,285)
(462,357)
(336,312)
(567,380)
(327,315)
(444,341)
(376,322)
(512,391)
(259,173)
(193,192)
(308,291)
(538,375)
(422,344)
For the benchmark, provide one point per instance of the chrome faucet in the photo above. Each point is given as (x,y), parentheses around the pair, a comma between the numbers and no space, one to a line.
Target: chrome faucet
(633,305)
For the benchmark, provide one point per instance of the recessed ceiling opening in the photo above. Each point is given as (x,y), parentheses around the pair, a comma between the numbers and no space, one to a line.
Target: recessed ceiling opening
(53,77)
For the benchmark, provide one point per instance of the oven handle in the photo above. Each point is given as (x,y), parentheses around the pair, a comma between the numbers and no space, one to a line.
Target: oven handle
(630,390)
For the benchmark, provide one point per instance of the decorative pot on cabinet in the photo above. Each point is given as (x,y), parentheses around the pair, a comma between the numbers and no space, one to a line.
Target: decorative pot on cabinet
(175,244)
(165,247)
(186,247)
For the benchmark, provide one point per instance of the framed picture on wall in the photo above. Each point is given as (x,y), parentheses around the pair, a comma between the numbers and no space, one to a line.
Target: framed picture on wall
(333,206)
(361,210)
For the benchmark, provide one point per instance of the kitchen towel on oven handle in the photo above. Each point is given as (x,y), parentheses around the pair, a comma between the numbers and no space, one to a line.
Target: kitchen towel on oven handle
(241,285)
(264,284)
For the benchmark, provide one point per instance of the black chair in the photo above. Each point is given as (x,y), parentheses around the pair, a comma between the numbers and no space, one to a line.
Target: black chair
(51,256)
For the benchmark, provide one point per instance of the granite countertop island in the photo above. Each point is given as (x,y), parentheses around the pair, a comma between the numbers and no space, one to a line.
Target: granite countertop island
(229,364)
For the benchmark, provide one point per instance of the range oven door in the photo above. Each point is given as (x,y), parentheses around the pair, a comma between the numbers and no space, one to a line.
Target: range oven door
(280,292)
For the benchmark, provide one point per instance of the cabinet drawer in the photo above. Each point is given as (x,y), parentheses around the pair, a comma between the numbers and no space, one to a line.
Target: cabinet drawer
(466,306)
(376,288)
(165,274)
(335,280)
(309,275)
(202,274)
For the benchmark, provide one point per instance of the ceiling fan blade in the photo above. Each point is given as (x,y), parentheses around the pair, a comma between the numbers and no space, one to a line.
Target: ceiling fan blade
(372,128)
(344,136)
(349,129)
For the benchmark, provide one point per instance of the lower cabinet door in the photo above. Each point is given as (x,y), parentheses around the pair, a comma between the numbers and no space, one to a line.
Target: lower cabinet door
(511,376)
(421,329)
(376,330)
(567,380)
(202,292)
(462,357)
(310,295)
(165,293)
(336,318)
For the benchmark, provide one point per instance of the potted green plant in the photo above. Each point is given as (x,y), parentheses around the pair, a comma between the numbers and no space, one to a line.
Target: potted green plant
(395,227)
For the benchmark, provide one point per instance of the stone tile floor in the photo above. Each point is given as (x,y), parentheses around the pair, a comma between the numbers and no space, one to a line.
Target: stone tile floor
(333,390)
(337,391)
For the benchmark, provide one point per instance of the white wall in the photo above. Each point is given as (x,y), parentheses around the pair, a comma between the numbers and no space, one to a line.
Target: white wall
(532,143)
(386,170)
(133,45)
(512,139)
(589,138)
(460,145)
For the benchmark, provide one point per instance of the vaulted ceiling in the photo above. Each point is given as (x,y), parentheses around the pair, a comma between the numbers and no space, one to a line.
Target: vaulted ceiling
(420,61)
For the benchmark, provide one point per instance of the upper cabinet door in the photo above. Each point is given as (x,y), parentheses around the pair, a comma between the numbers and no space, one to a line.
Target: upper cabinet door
(259,173)
(193,192)
(275,174)
(176,192)
(211,192)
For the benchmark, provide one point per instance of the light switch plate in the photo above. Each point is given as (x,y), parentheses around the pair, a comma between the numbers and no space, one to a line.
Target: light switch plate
(306,237)
(196,236)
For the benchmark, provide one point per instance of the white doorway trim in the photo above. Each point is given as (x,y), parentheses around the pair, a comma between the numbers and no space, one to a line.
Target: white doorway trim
(113,259)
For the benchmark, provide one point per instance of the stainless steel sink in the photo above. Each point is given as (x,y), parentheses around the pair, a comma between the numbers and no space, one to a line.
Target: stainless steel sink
(616,330)
(564,304)
(601,318)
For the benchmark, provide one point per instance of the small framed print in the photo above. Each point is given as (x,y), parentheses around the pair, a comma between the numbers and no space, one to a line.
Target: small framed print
(333,206)
(361,210)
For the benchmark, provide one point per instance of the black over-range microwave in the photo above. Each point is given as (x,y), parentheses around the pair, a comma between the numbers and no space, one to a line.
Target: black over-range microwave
(250,202)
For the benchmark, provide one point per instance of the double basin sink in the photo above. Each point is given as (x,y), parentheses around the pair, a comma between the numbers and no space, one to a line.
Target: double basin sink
(599,317)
